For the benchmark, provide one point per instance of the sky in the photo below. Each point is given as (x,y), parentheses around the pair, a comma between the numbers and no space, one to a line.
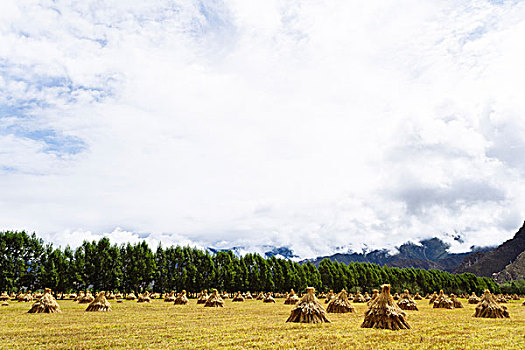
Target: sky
(321,126)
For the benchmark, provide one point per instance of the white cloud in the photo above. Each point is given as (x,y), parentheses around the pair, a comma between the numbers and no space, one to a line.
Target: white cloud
(309,124)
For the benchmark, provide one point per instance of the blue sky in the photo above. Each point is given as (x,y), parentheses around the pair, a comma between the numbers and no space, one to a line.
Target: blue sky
(316,125)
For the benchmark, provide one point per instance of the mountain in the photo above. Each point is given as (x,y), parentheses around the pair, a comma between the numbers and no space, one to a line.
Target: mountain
(495,261)
(266,250)
(428,254)
(513,271)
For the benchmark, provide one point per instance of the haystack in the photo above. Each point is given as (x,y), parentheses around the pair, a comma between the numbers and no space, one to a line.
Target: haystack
(260,296)
(375,294)
(359,298)
(100,303)
(418,297)
(131,296)
(46,304)
(489,308)
(181,299)
(329,296)
(455,301)
(79,296)
(248,296)
(291,298)
(268,298)
(4,296)
(340,304)
(384,313)
(238,297)
(443,302)
(432,298)
(367,297)
(396,296)
(111,296)
(308,310)
(202,297)
(214,300)
(86,299)
(144,298)
(170,298)
(473,299)
(224,295)
(119,296)
(406,302)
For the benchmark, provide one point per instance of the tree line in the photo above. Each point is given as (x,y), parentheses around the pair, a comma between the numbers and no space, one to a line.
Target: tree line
(27,263)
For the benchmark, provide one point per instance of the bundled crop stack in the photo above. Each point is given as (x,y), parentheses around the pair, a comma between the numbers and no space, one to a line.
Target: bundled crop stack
(224,295)
(291,298)
(374,296)
(238,297)
(170,298)
(268,298)
(131,296)
(144,298)
(86,299)
(340,304)
(181,299)
(432,298)
(443,302)
(329,296)
(111,296)
(396,296)
(384,313)
(473,299)
(417,297)
(202,297)
(455,302)
(367,297)
(46,304)
(248,296)
(308,310)
(260,296)
(406,302)
(359,298)
(214,300)
(4,296)
(489,308)
(100,303)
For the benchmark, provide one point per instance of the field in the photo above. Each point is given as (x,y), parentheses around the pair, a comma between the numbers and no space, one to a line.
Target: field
(249,325)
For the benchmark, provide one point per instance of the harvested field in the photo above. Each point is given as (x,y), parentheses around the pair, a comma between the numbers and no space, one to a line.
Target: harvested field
(249,325)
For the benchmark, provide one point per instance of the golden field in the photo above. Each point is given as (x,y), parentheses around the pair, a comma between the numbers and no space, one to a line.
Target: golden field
(249,325)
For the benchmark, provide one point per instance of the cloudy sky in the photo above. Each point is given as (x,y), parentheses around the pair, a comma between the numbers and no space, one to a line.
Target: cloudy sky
(317,125)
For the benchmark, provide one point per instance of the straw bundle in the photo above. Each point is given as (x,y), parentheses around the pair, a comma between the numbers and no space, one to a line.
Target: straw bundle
(455,301)
(214,300)
(367,297)
(406,302)
(359,298)
(181,299)
(224,295)
(268,298)
(489,308)
(170,298)
(144,298)
(291,298)
(340,304)
(131,296)
(260,296)
(86,299)
(417,297)
(375,294)
(384,313)
(46,304)
(248,296)
(100,303)
(238,297)
(308,310)
(443,302)
(329,296)
(473,299)
(4,296)
(202,297)
(432,298)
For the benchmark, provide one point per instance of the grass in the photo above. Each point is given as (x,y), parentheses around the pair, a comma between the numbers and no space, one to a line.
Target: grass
(249,325)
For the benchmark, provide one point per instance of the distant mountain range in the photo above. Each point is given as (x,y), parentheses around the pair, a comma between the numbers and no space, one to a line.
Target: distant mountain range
(503,260)
(428,254)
